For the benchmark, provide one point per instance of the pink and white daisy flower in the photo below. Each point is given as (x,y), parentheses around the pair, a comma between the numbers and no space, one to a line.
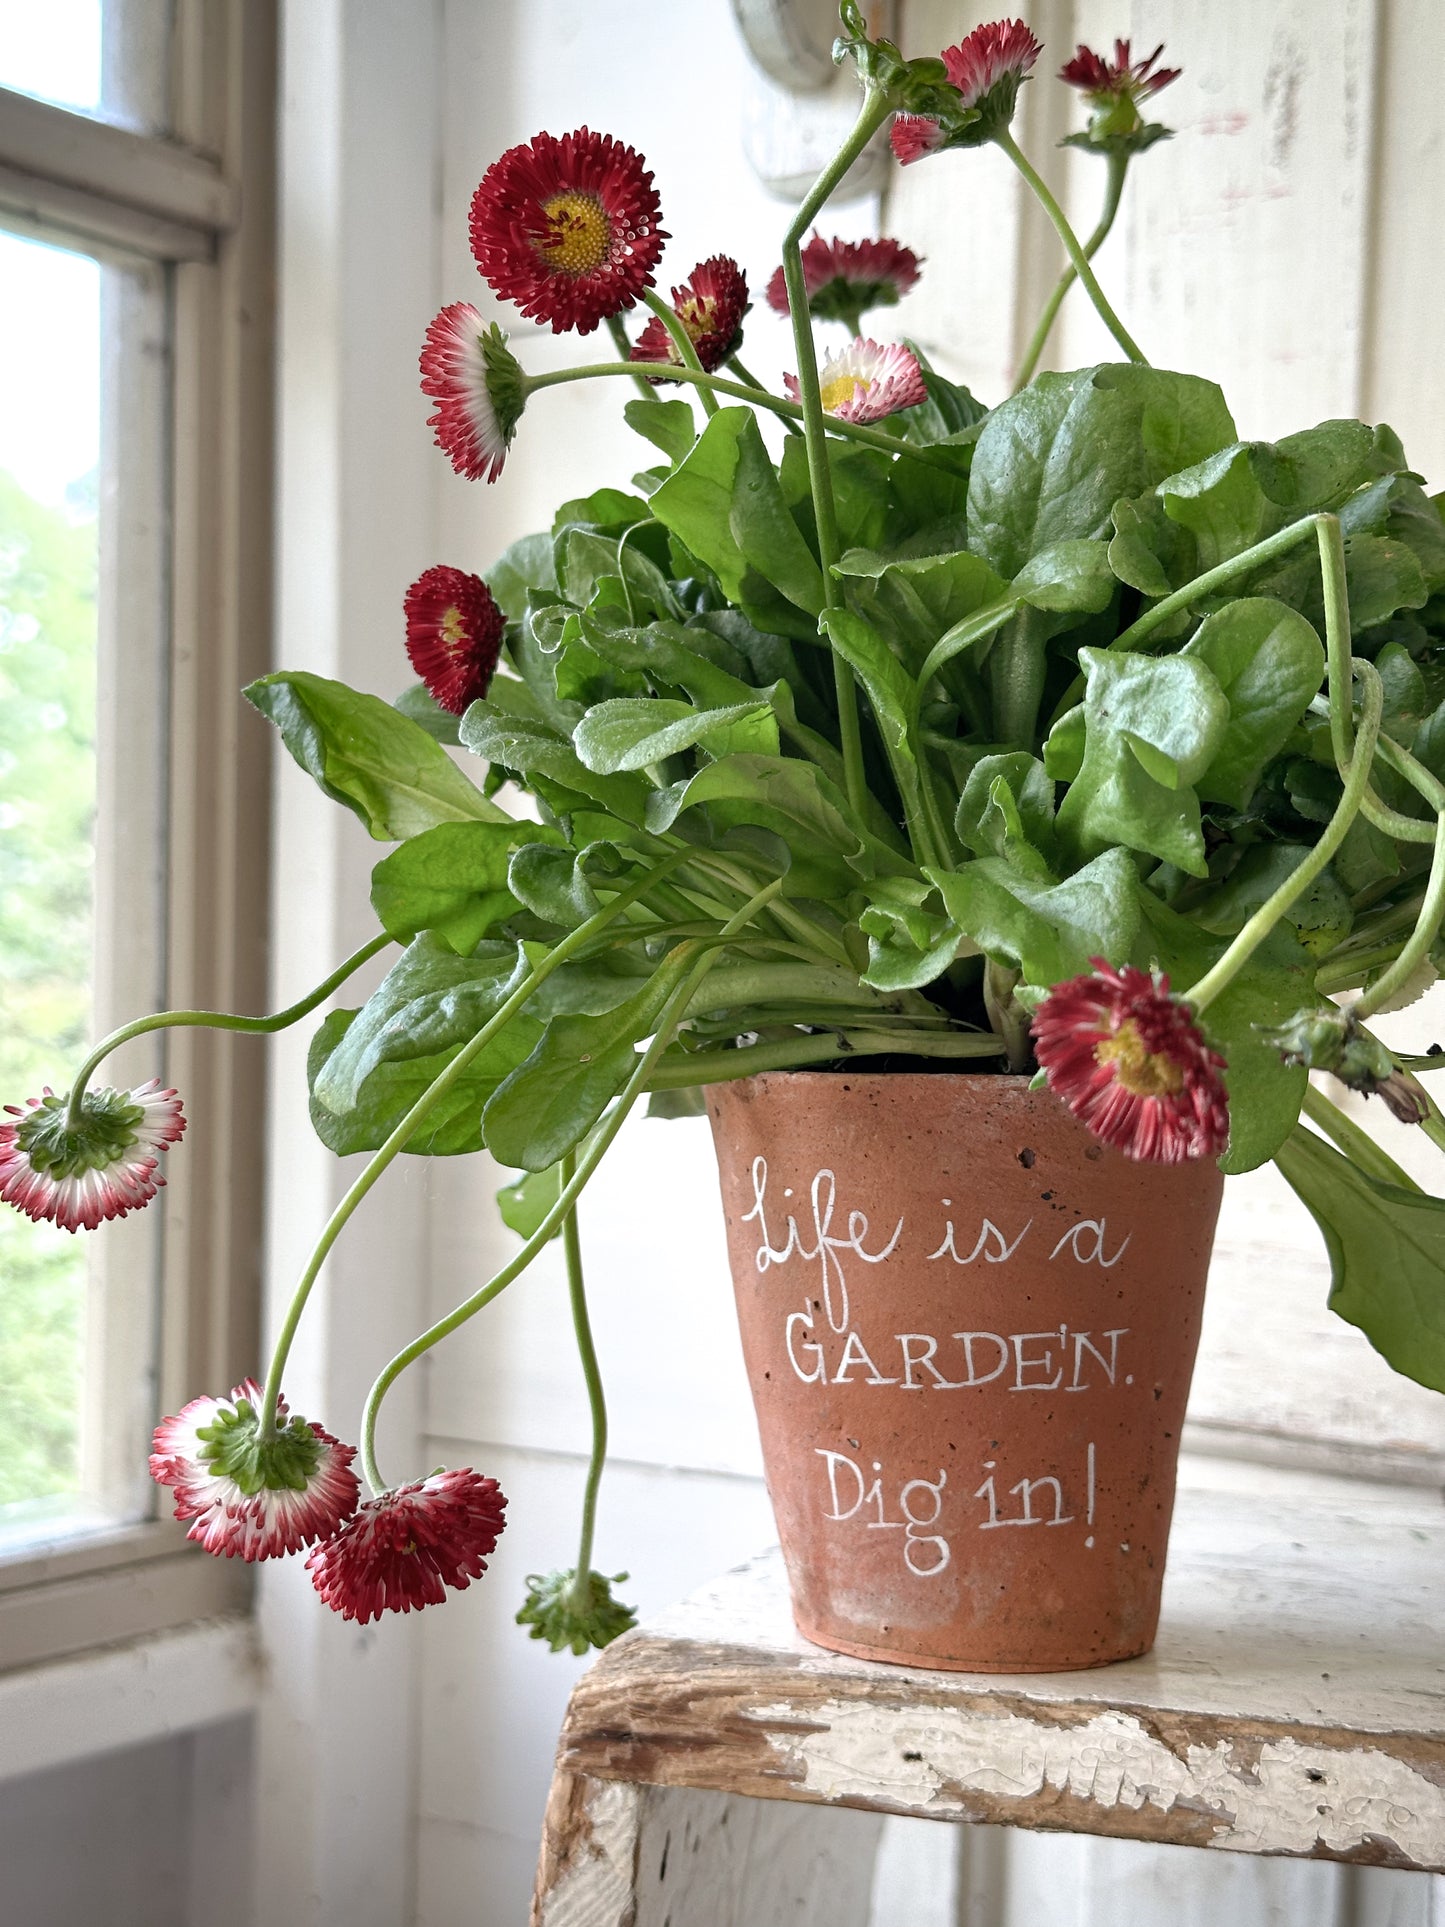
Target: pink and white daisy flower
(401,1551)
(102,1166)
(844,279)
(248,1497)
(989,66)
(912,136)
(867,381)
(480,389)
(1132,1064)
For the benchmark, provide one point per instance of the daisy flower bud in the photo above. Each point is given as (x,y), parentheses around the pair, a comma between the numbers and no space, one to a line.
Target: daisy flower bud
(81,1173)
(556,1614)
(1326,1039)
(912,136)
(480,389)
(710,304)
(988,68)
(568,229)
(401,1551)
(1114,90)
(453,635)
(1131,1063)
(250,1497)
(844,279)
(867,381)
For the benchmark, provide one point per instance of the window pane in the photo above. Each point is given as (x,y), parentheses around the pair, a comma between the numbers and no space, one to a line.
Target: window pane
(108,58)
(82,634)
(49,449)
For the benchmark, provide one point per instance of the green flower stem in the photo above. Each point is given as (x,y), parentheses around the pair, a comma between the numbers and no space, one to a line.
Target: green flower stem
(1358,1146)
(1416,947)
(439,1086)
(218,1020)
(1228,967)
(1111,321)
(1118,168)
(796,1053)
(682,341)
(735,362)
(873,113)
(596,1150)
(1219,577)
(624,348)
(790,411)
(596,1397)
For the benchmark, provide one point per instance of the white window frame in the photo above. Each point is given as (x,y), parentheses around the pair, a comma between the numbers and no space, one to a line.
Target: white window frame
(199,202)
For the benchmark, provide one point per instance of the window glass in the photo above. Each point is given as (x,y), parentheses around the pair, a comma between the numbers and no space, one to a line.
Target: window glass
(107,58)
(49,455)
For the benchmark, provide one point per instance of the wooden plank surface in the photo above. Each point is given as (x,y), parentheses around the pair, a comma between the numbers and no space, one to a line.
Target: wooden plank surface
(1294,1704)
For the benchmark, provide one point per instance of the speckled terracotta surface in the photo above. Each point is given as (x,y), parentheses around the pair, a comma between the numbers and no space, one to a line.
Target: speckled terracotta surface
(970,1329)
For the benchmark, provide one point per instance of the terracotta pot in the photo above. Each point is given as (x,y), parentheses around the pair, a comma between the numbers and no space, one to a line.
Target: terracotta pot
(970,1329)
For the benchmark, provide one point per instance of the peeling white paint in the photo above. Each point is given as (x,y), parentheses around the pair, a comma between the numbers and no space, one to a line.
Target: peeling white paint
(1292,1798)
(597,1889)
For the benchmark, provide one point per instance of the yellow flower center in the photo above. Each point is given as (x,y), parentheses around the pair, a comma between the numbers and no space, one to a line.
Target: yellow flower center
(578,233)
(697,315)
(454,628)
(1142,1073)
(838,392)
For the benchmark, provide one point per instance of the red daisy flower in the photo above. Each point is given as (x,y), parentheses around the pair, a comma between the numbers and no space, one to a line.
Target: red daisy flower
(914,135)
(867,381)
(710,304)
(453,635)
(844,279)
(79,1175)
(248,1497)
(1132,1064)
(401,1551)
(568,229)
(1094,75)
(995,56)
(466,368)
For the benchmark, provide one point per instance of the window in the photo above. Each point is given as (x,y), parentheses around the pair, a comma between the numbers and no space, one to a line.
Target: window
(136,173)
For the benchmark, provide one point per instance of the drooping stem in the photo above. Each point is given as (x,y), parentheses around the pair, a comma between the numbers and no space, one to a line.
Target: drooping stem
(1111,321)
(1228,967)
(682,342)
(219,1020)
(596,1150)
(796,1052)
(592,1377)
(1358,1146)
(402,1134)
(1118,168)
(871,116)
(1219,577)
(789,411)
(1417,946)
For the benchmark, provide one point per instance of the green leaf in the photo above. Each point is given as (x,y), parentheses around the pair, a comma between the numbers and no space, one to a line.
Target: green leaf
(451,879)
(725,503)
(1383,575)
(1269,662)
(1321,917)
(1007,810)
(1387,1255)
(419,705)
(533,752)
(889,689)
(917,599)
(829,849)
(364,754)
(577,1067)
(950,414)
(525,566)
(525,1204)
(1047,931)
(668,425)
(910,940)
(1152,726)
(634,733)
(1052,461)
(368,1067)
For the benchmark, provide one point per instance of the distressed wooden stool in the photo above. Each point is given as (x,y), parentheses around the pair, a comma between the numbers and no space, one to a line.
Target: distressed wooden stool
(716,1770)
